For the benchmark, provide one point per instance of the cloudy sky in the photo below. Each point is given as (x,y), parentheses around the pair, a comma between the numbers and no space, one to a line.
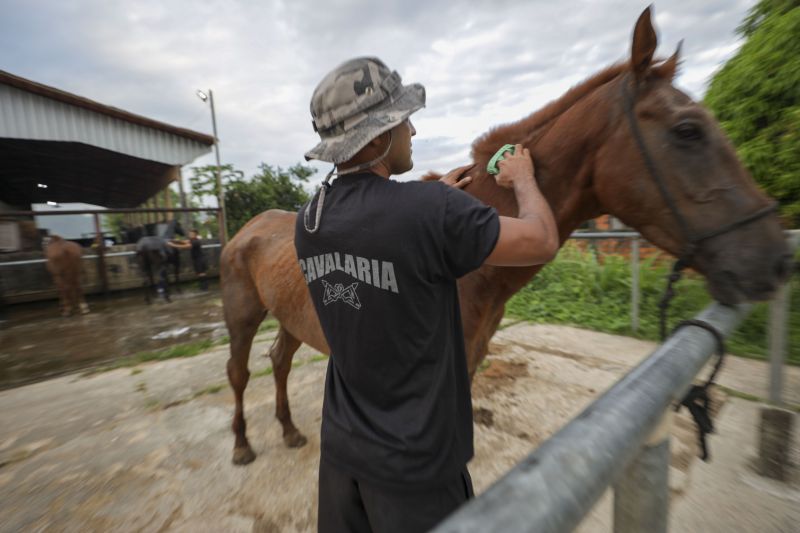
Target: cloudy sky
(483,62)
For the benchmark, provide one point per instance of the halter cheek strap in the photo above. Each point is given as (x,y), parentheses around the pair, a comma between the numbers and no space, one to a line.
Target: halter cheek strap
(327,185)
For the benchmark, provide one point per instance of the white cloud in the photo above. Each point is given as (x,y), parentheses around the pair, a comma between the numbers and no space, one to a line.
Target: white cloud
(483,63)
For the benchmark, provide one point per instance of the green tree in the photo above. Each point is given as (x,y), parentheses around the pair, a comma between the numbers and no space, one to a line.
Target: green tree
(270,188)
(204,191)
(204,180)
(756,97)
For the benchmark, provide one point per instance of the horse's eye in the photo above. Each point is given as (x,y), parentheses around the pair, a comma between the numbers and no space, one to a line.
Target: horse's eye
(688,131)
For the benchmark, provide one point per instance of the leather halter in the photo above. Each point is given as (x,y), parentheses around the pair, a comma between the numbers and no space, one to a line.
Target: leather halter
(697,399)
(691,237)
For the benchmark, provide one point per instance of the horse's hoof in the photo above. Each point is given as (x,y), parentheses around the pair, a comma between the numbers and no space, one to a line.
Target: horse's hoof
(243,456)
(84,309)
(295,440)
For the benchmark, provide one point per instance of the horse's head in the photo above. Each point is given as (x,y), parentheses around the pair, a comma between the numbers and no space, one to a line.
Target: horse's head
(668,170)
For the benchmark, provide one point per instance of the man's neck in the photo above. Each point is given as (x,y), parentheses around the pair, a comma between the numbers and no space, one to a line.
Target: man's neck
(380,168)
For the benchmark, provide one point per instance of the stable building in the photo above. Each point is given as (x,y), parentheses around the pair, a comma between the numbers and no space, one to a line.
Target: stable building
(57,147)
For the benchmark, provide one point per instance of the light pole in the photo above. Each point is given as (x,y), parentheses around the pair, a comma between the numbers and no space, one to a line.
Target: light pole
(221,194)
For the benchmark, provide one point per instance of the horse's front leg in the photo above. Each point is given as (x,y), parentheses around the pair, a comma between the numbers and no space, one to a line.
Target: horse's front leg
(281,354)
(63,298)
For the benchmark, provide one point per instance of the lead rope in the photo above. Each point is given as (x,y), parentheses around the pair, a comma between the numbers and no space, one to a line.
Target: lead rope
(327,185)
(696,400)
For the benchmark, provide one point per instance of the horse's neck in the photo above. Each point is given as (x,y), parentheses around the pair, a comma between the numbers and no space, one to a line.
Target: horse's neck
(564,157)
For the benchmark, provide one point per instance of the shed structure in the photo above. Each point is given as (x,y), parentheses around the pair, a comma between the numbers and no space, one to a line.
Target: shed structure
(84,151)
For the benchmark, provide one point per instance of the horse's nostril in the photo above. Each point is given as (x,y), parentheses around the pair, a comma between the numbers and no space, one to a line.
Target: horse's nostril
(783,267)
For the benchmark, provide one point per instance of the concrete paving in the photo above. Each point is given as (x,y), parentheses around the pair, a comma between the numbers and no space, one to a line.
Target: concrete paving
(149,448)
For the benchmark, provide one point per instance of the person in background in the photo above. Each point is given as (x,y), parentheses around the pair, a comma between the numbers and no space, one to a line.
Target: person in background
(199,262)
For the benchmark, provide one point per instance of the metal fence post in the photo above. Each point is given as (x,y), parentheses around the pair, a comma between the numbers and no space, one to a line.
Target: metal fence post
(778,317)
(635,284)
(641,495)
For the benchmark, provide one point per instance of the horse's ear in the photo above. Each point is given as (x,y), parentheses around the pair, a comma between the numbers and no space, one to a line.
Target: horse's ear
(644,43)
(669,68)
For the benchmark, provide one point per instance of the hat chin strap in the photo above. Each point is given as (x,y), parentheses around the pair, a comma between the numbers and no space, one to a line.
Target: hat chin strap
(326,185)
(364,166)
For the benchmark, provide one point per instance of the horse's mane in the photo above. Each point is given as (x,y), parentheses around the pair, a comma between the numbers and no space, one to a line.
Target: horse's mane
(487,144)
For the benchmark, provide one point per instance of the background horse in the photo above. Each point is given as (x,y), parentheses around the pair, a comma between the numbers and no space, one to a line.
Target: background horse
(624,142)
(155,255)
(64,262)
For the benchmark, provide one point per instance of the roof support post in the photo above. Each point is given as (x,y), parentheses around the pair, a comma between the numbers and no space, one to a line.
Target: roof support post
(101,260)
(223,219)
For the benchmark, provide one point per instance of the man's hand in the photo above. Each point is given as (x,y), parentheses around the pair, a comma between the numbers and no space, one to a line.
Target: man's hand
(455,178)
(532,237)
(513,167)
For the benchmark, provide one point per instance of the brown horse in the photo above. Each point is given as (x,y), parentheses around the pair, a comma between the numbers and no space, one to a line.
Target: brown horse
(64,262)
(677,172)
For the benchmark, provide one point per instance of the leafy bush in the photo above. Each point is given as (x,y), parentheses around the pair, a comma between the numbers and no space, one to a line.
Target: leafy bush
(580,290)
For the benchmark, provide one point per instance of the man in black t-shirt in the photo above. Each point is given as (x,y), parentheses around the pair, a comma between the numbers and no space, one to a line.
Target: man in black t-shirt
(381,259)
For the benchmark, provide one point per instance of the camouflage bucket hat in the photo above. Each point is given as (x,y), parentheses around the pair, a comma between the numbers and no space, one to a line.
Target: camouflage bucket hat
(355,103)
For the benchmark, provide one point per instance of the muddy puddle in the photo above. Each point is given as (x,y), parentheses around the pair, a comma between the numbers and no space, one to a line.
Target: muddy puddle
(36,343)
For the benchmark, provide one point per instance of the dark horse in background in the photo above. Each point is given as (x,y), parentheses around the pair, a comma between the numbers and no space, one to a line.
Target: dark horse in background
(155,256)
(588,162)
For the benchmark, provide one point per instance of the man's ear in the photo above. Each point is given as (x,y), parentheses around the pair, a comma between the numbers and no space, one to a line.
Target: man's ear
(380,142)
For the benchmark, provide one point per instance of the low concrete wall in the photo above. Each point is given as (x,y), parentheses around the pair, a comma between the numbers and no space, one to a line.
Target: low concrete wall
(24,276)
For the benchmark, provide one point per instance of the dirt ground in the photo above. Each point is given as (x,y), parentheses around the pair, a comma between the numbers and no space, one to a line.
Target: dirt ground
(149,448)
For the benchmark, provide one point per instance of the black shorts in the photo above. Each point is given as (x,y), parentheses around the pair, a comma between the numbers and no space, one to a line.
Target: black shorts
(352,506)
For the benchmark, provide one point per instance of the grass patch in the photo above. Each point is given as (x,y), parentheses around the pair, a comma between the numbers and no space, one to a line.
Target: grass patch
(581,290)
(172,352)
(268,371)
(753,398)
(261,373)
(189,349)
(211,389)
(152,404)
(268,325)
(739,394)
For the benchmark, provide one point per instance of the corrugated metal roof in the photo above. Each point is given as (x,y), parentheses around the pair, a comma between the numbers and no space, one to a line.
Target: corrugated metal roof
(6,78)
(84,151)
(26,115)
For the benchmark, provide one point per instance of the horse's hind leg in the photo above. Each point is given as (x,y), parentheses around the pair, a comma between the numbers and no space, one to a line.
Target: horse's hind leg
(281,353)
(243,314)
(63,297)
(77,293)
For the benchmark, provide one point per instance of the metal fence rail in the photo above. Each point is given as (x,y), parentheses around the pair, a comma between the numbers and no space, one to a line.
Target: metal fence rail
(127,253)
(553,488)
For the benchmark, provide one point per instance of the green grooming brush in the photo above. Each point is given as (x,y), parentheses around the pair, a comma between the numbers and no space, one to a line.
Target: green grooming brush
(491,168)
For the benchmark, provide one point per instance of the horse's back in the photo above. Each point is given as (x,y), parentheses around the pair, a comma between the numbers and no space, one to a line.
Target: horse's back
(265,235)
(63,256)
(261,260)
